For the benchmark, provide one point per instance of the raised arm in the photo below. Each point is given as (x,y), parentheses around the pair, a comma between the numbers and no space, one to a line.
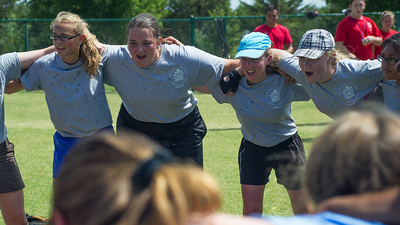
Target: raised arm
(27,58)
(230,64)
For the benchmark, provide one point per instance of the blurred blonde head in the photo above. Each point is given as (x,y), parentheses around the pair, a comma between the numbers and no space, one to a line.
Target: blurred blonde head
(96,187)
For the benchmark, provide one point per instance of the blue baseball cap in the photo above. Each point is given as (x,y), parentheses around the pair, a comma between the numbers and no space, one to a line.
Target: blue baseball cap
(253,45)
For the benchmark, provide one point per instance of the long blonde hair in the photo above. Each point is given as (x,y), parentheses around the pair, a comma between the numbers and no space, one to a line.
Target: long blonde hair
(88,51)
(96,185)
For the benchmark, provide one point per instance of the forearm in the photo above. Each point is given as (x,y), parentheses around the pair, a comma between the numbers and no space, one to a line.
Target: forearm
(377,41)
(27,58)
(230,64)
(13,87)
(379,206)
(202,89)
(290,48)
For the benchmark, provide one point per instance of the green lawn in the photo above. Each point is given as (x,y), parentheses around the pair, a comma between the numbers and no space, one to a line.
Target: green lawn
(30,129)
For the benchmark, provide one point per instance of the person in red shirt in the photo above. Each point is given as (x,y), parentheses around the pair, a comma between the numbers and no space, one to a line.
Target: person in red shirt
(358,33)
(278,34)
(387,20)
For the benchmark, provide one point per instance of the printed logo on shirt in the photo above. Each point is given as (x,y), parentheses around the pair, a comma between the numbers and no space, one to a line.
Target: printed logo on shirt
(178,76)
(369,26)
(349,93)
(274,97)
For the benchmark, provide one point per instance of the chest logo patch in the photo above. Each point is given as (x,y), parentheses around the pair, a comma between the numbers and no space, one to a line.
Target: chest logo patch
(274,97)
(178,76)
(349,93)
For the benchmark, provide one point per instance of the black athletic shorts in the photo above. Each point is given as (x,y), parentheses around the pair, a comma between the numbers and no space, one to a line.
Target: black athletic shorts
(183,137)
(286,158)
(10,177)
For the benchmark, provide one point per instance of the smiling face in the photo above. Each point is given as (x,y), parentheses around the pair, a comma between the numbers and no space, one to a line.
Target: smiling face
(255,69)
(387,23)
(144,48)
(68,50)
(357,8)
(272,17)
(390,72)
(317,70)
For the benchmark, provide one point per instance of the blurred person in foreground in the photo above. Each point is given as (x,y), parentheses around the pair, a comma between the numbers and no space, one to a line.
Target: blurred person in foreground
(129,179)
(356,155)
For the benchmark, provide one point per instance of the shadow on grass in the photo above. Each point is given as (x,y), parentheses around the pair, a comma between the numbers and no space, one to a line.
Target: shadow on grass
(312,124)
(222,129)
(298,125)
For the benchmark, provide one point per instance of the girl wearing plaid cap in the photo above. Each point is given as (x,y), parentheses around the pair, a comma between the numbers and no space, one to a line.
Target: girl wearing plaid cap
(263,105)
(334,84)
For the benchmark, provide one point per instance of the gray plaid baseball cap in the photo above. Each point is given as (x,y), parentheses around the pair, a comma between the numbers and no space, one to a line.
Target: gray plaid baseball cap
(314,43)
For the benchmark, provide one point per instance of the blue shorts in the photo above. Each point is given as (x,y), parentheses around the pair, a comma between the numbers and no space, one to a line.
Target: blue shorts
(63,145)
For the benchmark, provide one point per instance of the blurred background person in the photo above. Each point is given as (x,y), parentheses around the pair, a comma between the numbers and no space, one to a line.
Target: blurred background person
(278,34)
(387,21)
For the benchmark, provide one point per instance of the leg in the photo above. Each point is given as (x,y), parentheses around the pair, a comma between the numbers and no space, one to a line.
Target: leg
(11,185)
(55,182)
(12,208)
(252,196)
(301,204)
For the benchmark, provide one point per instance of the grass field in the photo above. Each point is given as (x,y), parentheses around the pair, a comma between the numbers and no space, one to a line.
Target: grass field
(31,131)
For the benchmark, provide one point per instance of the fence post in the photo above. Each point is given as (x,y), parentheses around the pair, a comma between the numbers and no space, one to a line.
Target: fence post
(192,33)
(26,36)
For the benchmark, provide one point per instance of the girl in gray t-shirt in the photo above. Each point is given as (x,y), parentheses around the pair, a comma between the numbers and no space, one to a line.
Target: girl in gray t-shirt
(72,81)
(155,83)
(334,85)
(263,105)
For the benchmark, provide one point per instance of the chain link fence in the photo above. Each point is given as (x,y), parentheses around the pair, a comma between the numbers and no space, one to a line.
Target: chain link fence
(219,36)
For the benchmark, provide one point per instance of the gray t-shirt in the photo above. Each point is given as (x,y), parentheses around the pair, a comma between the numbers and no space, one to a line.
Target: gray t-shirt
(10,69)
(391,93)
(161,93)
(264,109)
(352,81)
(77,104)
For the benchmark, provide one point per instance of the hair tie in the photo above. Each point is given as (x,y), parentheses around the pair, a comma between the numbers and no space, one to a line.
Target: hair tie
(144,173)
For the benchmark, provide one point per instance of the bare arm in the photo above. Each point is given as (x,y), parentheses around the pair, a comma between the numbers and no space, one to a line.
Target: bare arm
(377,41)
(290,48)
(13,86)
(202,89)
(230,64)
(27,58)
(380,206)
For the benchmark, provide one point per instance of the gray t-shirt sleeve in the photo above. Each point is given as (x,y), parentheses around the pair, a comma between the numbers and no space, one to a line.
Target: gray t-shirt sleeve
(10,67)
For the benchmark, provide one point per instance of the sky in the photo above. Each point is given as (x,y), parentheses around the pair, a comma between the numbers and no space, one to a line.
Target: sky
(318,3)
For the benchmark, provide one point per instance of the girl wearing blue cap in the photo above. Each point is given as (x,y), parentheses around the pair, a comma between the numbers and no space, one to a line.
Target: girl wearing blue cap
(270,140)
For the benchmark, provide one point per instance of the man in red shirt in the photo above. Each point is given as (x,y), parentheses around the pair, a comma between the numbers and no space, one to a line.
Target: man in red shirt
(278,34)
(358,33)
